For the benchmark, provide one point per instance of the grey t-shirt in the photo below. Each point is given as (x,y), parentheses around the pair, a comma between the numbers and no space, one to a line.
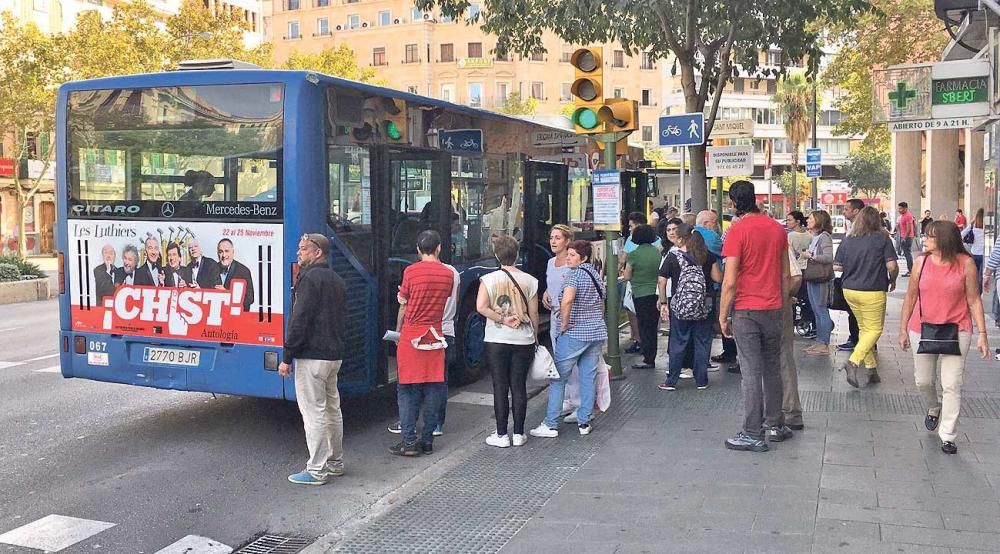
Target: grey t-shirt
(864,259)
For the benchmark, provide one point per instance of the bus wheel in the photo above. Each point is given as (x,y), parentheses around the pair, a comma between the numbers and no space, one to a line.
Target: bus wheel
(471,359)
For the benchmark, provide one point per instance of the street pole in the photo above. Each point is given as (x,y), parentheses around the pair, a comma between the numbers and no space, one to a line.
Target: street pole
(718,199)
(611,309)
(815,187)
(683,163)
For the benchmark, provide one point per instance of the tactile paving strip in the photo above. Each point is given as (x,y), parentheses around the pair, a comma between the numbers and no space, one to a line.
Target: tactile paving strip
(480,504)
(884,403)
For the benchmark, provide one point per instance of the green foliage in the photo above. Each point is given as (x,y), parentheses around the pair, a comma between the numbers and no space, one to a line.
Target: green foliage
(515,105)
(337,61)
(892,32)
(9,272)
(23,266)
(708,40)
(803,184)
(794,98)
(868,171)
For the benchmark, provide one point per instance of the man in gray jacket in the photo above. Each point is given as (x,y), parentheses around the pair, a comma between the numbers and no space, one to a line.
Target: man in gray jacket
(314,341)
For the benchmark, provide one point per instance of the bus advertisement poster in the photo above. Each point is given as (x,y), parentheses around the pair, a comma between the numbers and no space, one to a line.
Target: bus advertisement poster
(215,282)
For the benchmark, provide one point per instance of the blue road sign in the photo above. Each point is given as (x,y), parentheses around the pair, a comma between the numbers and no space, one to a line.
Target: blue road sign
(463,140)
(682,130)
(814,165)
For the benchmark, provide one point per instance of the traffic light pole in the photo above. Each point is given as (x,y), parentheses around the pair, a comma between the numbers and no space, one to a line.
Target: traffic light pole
(612,308)
(718,199)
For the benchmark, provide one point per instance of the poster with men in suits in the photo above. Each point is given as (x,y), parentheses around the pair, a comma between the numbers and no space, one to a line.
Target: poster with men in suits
(194,280)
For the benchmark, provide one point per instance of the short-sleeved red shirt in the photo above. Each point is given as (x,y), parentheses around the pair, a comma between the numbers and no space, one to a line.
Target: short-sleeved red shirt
(906,226)
(426,287)
(759,242)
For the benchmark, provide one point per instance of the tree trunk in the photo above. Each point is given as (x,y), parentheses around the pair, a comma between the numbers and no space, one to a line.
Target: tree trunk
(697,180)
(795,174)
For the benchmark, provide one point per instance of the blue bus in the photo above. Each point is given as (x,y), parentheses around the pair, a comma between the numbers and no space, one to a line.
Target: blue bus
(182,196)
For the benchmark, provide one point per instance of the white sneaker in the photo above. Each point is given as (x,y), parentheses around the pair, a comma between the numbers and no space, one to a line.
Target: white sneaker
(571,418)
(499,441)
(687,373)
(713,369)
(585,429)
(519,440)
(544,431)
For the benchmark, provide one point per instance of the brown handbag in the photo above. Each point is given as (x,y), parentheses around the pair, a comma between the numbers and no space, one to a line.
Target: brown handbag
(816,272)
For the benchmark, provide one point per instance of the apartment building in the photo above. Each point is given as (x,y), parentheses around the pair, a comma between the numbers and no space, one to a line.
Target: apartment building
(432,55)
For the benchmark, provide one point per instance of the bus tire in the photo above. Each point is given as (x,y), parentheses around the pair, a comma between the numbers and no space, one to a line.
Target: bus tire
(470,333)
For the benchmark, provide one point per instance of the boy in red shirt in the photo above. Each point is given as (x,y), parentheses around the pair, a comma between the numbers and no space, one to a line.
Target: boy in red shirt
(756,282)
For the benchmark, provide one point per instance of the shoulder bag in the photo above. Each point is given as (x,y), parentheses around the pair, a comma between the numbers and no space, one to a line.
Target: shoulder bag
(935,338)
(816,272)
(543,366)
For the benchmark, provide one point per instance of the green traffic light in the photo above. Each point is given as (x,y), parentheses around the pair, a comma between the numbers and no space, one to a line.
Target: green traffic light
(392,130)
(586,118)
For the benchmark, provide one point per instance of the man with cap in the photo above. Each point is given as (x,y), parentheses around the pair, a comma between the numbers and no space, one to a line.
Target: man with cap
(756,282)
(314,343)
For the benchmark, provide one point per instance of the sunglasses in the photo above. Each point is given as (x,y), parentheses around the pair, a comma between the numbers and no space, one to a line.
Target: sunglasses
(310,240)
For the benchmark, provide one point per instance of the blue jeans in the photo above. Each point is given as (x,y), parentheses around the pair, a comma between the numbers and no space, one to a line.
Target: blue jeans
(409,398)
(693,336)
(584,356)
(824,323)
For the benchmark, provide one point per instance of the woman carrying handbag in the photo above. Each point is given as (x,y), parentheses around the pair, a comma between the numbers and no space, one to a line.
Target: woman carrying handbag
(946,299)
(818,277)
(508,298)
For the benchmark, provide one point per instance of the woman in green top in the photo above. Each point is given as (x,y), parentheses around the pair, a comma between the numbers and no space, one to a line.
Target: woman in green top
(642,267)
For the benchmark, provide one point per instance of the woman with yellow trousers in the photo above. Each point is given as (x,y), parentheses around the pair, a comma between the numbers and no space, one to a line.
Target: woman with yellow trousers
(867,259)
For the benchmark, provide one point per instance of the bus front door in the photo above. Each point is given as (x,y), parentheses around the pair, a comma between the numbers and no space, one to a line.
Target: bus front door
(546,194)
(411,194)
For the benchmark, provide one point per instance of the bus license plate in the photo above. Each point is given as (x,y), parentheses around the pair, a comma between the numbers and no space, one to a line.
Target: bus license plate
(171,356)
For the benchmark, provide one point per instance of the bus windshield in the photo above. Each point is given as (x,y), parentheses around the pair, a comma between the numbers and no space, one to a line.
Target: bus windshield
(192,146)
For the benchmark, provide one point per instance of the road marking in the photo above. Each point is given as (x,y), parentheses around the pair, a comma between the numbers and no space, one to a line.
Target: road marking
(53,532)
(480,398)
(53,369)
(9,329)
(193,544)
(5,365)
(46,357)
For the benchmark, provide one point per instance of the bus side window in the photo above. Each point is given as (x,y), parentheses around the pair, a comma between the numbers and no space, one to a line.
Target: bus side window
(349,209)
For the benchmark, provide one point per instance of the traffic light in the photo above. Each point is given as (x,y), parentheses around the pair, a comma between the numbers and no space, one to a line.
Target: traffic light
(619,114)
(394,124)
(587,88)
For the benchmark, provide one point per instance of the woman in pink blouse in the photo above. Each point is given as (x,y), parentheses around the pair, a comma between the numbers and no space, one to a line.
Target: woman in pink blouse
(946,290)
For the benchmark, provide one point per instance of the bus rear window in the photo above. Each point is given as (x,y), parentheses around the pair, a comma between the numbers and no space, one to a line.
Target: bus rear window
(187,145)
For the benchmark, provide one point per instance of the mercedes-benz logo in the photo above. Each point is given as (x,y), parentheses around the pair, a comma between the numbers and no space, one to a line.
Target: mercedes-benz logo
(167,209)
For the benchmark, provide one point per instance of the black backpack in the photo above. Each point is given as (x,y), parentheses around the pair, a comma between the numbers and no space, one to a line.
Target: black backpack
(688,300)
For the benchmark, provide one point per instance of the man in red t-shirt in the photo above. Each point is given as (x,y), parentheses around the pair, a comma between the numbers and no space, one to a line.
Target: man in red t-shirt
(420,355)
(960,219)
(906,230)
(755,284)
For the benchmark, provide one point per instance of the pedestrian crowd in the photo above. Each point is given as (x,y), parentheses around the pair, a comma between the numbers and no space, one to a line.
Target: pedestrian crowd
(756,284)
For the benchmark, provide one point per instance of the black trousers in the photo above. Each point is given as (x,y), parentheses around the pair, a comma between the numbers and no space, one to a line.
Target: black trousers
(510,364)
(852,326)
(649,323)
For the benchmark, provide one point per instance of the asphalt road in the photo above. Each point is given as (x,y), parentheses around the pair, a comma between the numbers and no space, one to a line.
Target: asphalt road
(162,465)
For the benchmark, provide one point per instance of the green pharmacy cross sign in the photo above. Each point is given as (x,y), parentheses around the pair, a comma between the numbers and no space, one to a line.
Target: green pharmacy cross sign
(902,95)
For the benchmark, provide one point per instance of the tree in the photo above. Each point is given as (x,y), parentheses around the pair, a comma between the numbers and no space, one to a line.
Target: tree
(515,105)
(31,68)
(868,171)
(196,32)
(706,41)
(788,181)
(338,61)
(794,100)
(892,32)
(130,42)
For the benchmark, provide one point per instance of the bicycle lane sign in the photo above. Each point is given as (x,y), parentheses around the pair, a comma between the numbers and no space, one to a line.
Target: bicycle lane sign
(682,130)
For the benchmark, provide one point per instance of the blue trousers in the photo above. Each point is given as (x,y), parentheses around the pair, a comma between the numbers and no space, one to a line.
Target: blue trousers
(696,335)
(409,398)
(583,355)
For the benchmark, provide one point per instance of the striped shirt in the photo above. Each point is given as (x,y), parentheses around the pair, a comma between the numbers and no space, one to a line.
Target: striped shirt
(586,317)
(425,291)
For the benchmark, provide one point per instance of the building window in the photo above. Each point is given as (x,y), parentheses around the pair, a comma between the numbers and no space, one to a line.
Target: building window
(647,133)
(647,61)
(293,29)
(476,95)
(503,91)
(384,18)
(447,52)
(647,97)
(502,57)
(538,90)
(772,86)
(774,57)
(475,50)
(445,18)
(412,89)
(322,3)
(618,58)
(41,5)
(416,15)
(565,95)
(567,53)
(619,93)
(473,11)
(291,5)
(448,92)
(411,54)
(322,26)
(830,117)
(353,21)
(538,56)
(378,56)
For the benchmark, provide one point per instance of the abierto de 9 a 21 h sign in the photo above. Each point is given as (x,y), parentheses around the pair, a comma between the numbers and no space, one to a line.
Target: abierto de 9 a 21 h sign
(214,282)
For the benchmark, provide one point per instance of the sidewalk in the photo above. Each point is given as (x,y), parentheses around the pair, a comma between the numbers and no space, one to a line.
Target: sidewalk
(864,476)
